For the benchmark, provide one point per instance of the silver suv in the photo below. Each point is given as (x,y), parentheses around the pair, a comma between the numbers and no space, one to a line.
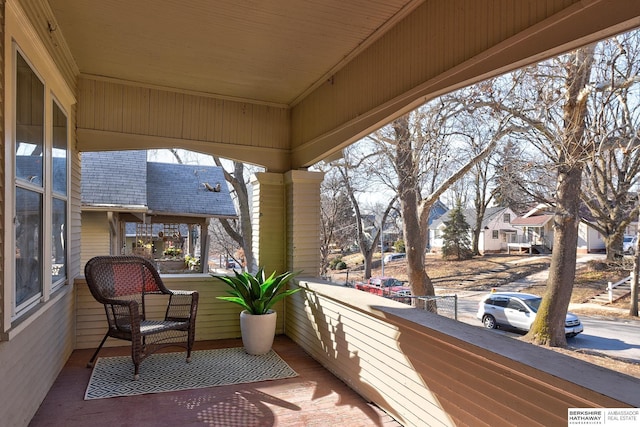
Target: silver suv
(517,310)
(629,244)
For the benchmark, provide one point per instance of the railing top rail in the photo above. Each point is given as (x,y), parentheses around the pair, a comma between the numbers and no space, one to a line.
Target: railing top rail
(625,280)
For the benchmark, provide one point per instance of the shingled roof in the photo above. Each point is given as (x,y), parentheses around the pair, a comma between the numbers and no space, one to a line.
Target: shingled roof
(123,180)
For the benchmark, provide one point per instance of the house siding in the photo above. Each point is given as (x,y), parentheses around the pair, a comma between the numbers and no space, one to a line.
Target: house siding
(215,320)
(269,220)
(95,236)
(303,221)
(117,116)
(37,345)
(33,358)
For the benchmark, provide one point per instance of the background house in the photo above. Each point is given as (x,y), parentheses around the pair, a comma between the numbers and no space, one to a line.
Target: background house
(537,232)
(496,229)
(157,210)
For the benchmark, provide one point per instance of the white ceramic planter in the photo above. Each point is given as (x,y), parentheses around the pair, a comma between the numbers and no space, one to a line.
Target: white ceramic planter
(258,331)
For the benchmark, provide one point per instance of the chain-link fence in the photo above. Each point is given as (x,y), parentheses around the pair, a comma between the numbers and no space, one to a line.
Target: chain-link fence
(444,305)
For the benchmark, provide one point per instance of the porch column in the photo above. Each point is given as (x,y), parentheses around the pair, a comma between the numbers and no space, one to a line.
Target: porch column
(303,221)
(286,221)
(269,221)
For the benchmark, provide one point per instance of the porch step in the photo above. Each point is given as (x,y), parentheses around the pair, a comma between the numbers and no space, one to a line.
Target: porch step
(619,292)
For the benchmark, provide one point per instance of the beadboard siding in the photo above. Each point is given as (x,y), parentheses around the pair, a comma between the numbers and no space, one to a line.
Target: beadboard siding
(112,113)
(95,236)
(269,220)
(303,221)
(441,46)
(389,352)
(33,358)
(216,319)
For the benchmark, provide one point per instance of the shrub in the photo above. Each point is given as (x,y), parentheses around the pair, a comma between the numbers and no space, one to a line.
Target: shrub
(334,262)
(340,265)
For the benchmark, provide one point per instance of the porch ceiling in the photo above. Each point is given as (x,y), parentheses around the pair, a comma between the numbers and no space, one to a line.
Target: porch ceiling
(271,51)
(286,83)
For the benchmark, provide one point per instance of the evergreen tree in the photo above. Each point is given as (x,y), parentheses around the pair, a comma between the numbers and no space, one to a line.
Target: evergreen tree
(457,241)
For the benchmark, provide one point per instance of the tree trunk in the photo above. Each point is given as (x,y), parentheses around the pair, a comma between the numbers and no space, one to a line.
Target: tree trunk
(415,233)
(633,305)
(613,244)
(243,236)
(548,327)
(367,259)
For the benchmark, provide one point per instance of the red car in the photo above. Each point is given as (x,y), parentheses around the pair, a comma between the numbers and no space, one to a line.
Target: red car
(384,286)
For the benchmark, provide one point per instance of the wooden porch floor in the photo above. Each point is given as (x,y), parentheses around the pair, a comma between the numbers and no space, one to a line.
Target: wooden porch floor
(314,398)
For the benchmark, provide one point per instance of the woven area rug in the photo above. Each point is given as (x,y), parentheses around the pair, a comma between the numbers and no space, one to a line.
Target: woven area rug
(163,372)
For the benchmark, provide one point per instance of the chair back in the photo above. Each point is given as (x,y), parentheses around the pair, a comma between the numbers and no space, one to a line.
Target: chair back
(122,278)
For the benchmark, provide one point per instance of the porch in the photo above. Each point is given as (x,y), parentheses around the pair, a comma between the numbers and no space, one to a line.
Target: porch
(349,348)
(314,397)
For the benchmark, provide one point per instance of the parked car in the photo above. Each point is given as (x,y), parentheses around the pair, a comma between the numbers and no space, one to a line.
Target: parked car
(518,310)
(394,257)
(385,286)
(232,264)
(629,244)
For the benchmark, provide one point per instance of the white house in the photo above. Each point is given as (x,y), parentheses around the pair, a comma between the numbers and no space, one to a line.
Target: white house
(496,229)
(537,232)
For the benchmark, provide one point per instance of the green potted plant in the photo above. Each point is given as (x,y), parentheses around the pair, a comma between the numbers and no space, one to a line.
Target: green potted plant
(257,293)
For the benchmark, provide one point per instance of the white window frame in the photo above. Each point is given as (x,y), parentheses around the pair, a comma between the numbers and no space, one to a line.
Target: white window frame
(20,37)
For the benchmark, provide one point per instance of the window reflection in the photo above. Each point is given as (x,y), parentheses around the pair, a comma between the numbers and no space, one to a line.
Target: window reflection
(29,124)
(59,151)
(28,245)
(58,241)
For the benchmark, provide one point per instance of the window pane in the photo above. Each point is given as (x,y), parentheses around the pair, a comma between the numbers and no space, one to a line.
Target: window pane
(59,241)
(28,245)
(29,123)
(59,150)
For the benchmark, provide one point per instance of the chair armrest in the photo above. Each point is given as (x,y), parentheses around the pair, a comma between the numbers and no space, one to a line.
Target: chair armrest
(183,305)
(123,315)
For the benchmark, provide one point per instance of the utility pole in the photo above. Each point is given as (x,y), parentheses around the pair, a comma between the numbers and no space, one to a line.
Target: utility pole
(382,245)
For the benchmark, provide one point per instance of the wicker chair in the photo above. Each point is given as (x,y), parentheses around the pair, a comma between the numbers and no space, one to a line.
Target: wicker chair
(125,284)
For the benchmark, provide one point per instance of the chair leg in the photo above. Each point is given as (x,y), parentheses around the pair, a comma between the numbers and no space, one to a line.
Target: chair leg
(190,339)
(93,358)
(136,371)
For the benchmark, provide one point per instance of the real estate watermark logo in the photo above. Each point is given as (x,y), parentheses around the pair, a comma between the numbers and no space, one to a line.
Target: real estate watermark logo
(614,417)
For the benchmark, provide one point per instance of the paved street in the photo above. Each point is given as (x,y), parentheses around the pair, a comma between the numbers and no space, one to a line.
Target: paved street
(616,338)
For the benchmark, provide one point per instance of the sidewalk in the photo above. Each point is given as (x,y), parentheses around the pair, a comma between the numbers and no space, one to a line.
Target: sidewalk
(542,276)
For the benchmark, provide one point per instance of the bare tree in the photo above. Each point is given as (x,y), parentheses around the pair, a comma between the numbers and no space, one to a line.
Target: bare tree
(419,146)
(613,167)
(481,177)
(520,180)
(572,149)
(240,231)
(337,219)
(575,109)
(224,245)
(355,177)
